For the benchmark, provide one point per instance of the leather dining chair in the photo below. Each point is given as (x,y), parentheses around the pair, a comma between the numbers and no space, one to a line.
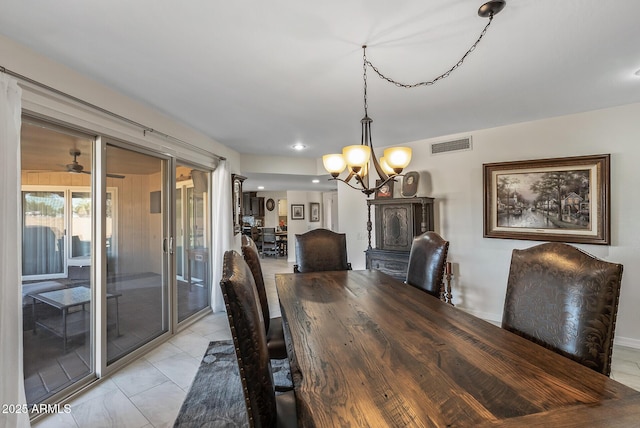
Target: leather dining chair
(427,261)
(321,250)
(565,300)
(272,326)
(249,241)
(264,407)
(269,241)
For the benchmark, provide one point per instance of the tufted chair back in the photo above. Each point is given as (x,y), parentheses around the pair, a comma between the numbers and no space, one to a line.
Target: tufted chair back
(264,408)
(273,326)
(252,258)
(321,250)
(565,300)
(427,261)
(248,241)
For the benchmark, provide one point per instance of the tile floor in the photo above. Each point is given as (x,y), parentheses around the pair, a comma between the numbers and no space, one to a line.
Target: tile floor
(149,392)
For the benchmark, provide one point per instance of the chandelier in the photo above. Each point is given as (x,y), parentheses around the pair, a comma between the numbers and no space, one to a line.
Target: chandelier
(358,158)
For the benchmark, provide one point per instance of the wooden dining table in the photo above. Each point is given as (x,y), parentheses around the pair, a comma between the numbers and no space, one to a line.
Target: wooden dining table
(367,350)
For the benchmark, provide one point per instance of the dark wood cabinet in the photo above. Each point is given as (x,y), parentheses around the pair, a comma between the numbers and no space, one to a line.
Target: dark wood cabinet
(246,203)
(253,205)
(397,222)
(257,206)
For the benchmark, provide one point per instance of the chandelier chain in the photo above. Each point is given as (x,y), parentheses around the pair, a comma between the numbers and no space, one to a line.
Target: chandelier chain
(364,77)
(426,83)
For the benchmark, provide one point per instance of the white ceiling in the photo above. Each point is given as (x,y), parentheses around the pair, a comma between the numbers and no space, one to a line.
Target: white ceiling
(259,76)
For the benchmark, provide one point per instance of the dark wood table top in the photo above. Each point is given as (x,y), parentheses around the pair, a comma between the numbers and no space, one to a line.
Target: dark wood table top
(367,350)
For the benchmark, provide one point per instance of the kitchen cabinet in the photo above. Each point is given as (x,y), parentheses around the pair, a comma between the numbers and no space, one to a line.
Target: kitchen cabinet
(253,204)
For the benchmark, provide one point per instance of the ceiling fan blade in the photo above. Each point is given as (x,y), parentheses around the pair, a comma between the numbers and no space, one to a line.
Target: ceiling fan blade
(108,175)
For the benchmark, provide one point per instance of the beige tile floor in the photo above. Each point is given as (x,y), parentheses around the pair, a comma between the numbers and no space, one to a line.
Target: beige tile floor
(149,392)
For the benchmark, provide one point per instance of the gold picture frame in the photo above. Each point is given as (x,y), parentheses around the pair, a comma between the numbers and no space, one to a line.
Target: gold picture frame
(559,199)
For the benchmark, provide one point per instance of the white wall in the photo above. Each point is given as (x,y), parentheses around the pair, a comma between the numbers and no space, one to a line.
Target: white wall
(271,217)
(481,265)
(280,165)
(300,226)
(329,210)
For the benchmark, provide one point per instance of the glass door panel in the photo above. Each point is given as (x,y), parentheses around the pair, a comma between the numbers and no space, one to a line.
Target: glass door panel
(56,304)
(137,304)
(192,226)
(179,235)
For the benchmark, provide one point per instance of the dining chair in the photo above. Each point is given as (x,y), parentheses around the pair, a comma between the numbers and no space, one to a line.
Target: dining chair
(565,300)
(427,260)
(265,408)
(269,242)
(321,250)
(248,241)
(272,326)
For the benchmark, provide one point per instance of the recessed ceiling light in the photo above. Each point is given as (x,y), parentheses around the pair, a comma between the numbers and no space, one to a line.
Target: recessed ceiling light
(260,187)
(637,73)
(298,146)
(315,181)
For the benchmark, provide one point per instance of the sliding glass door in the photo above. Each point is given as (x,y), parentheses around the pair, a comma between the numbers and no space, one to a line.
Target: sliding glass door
(192,242)
(104,273)
(137,286)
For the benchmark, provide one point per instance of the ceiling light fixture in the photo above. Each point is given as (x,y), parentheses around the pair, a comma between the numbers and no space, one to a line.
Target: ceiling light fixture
(357,158)
(315,181)
(298,146)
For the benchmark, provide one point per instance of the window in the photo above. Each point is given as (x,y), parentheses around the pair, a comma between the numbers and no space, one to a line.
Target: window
(48,251)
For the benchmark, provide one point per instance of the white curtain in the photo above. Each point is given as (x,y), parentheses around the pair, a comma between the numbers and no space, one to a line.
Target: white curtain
(222,229)
(11,370)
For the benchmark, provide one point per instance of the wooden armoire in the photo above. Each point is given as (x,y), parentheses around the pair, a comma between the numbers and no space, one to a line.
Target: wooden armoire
(397,222)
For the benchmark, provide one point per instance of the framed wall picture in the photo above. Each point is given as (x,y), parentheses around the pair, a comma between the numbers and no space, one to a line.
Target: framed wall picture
(410,184)
(271,204)
(297,212)
(386,191)
(561,199)
(314,211)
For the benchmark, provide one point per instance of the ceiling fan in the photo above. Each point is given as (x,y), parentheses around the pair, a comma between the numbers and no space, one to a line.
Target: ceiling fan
(75,168)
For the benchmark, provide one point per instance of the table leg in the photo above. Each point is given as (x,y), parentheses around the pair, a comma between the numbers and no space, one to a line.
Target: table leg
(33,313)
(64,330)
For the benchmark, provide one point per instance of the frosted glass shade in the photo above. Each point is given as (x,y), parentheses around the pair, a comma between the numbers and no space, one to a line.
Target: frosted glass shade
(398,158)
(334,163)
(385,166)
(357,157)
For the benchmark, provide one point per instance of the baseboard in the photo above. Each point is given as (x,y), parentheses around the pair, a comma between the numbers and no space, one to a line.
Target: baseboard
(627,341)
(487,316)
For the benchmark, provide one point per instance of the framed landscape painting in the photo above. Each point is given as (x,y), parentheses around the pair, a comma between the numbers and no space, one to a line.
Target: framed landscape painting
(560,199)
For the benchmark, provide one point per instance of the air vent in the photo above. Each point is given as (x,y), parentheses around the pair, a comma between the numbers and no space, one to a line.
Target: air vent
(451,146)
